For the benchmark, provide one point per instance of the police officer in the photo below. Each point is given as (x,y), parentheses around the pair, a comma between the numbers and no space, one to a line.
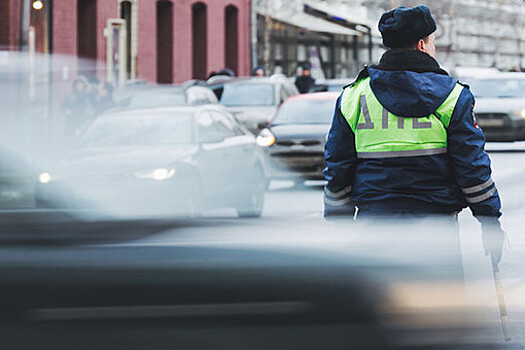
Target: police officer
(404,140)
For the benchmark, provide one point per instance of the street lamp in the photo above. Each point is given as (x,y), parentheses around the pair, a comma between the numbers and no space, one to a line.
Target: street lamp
(38,5)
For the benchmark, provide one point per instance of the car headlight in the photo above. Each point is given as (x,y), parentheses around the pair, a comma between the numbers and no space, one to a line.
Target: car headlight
(159,174)
(44,178)
(520,114)
(265,138)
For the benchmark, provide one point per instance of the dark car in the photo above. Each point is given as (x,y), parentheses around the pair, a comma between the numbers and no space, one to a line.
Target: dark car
(331,85)
(500,105)
(164,160)
(294,140)
(253,101)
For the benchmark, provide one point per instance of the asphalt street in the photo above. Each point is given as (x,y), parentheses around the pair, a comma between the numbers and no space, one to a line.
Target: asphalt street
(299,209)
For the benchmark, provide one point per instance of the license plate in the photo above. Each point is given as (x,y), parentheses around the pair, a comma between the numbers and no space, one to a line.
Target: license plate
(491,122)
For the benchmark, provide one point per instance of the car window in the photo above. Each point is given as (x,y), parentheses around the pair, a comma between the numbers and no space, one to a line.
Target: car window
(305,112)
(139,129)
(247,95)
(208,129)
(157,99)
(498,88)
(225,125)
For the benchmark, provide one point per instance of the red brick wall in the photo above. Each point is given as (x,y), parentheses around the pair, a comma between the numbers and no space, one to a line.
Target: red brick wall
(10,12)
(65,27)
(65,38)
(5,6)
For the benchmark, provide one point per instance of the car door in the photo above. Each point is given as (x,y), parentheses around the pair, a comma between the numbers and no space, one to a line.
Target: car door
(237,151)
(211,159)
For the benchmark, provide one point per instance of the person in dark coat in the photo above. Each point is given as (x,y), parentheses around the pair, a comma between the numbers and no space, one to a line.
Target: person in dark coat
(305,82)
(76,106)
(105,99)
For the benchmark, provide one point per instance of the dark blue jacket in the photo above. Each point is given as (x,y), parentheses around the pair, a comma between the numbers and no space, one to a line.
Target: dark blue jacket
(443,183)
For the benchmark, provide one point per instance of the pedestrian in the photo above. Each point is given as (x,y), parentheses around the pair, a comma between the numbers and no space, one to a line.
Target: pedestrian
(258,72)
(92,90)
(404,141)
(76,106)
(305,81)
(104,99)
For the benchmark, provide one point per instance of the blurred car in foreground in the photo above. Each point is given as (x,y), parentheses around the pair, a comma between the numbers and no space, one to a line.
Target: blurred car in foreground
(231,287)
(500,105)
(294,140)
(253,101)
(173,160)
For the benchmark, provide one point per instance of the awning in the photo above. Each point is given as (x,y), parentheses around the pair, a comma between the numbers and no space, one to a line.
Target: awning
(311,23)
(335,13)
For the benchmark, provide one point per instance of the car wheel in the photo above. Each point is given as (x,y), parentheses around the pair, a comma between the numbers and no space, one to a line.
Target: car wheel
(253,204)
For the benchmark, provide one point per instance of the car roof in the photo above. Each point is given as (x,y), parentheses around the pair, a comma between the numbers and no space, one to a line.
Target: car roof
(163,110)
(252,80)
(315,96)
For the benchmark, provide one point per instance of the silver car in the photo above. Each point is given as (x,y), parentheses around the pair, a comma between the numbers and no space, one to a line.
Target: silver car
(500,105)
(254,101)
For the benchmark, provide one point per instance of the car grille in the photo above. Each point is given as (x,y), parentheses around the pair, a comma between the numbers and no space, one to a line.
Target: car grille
(493,120)
(289,143)
(102,178)
(298,155)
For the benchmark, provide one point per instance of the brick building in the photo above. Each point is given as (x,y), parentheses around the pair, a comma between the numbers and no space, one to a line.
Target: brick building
(167,41)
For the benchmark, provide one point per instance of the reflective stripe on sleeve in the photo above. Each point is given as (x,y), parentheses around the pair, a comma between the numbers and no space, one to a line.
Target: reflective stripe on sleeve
(481,198)
(337,203)
(409,153)
(338,194)
(478,188)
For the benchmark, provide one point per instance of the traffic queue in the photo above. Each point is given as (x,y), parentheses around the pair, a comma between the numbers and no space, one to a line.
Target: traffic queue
(187,148)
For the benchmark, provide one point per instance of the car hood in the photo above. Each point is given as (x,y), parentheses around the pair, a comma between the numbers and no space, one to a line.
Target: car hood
(124,158)
(499,105)
(300,131)
(258,113)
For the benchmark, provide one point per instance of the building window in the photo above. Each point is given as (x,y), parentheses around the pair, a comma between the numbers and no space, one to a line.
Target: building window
(87,29)
(164,42)
(231,25)
(200,40)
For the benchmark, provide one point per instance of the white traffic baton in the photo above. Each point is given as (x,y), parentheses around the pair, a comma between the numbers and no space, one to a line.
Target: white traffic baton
(501,300)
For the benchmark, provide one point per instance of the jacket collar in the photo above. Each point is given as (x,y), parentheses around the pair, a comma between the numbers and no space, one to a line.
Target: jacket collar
(409,60)
(404,60)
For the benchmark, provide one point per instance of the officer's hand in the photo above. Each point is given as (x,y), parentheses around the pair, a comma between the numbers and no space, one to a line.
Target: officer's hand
(493,237)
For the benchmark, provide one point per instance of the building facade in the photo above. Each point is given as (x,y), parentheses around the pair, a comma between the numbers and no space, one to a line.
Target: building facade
(166,41)
(477,33)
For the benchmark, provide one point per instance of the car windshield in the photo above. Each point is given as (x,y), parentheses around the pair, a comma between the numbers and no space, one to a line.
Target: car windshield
(135,129)
(498,88)
(305,112)
(247,95)
(157,99)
